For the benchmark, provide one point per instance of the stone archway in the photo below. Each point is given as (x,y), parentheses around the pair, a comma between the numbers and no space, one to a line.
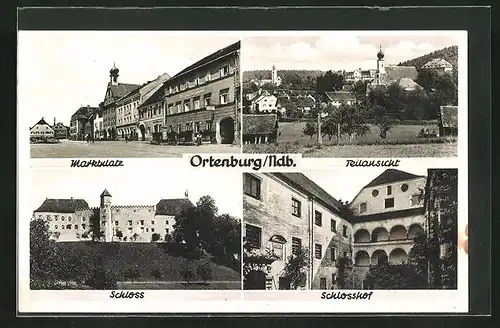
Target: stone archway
(362,258)
(142,130)
(398,256)
(226,130)
(379,257)
(362,236)
(398,232)
(380,234)
(414,230)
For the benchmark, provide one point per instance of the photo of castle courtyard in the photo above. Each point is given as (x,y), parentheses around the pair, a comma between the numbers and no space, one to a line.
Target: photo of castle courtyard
(367,95)
(103,233)
(143,94)
(392,229)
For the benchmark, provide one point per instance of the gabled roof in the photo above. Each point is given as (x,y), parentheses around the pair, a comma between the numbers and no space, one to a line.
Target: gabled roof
(85,111)
(41,122)
(309,187)
(306,102)
(259,123)
(122,89)
(407,83)
(392,175)
(339,96)
(62,205)
(155,97)
(449,116)
(388,215)
(219,53)
(105,193)
(437,63)
(173,207)
(395,73)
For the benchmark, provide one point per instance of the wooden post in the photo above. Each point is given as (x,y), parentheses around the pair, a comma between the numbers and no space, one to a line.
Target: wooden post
(319,139)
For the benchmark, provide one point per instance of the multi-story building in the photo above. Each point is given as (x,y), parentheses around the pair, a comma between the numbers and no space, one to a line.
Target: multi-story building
(79,120)
(61,131)
(151,115)
(283,211)
(99,123)
(114,92)
(265,103)
(41,130)
(127,108)
(365,75)
(337,98)
(439,65)
(205,98)
(70,219)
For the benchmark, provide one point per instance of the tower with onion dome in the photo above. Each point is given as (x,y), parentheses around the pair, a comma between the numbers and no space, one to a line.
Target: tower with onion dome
(113,75)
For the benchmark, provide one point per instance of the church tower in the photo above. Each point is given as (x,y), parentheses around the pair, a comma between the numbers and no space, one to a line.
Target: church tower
(274,75)
(105,213)
(380,62)
(113,75)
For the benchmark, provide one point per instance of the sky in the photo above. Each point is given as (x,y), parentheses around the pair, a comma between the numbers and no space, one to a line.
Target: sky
(337,50)
(144,186)
(59,71)
(345,187)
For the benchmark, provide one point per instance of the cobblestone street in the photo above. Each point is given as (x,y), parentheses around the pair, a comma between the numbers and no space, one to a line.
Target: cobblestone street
(115,149)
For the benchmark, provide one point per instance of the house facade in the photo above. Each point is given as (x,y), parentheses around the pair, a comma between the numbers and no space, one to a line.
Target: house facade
(337,98)
(70,219)
(265,103)
(438,64)
(41,130)
(205,98)
(448,121)
(260,128)
(283,211)
(80,120)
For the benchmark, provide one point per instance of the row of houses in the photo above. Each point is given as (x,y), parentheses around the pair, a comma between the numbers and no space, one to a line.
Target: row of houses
(288,212)
(203,98)
(43,130)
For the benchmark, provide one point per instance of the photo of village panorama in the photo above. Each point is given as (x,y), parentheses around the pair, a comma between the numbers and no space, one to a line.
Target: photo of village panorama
(397,231)
(103,235)
(371,96)
(145,94)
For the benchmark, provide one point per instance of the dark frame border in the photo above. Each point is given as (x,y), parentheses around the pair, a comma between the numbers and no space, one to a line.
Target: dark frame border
(475,20)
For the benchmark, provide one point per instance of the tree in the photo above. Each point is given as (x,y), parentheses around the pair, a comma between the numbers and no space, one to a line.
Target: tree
(310,129)
(95,227)
(187,273)
(395,276)
(227,235)
(119,234)
(344,272)
(155,237)
(383,120)
(132,273)
(359,91)
(296,268)
(100,278)
(156,274)
(205,271)
(168,238)
(74,266)
(43,256)
(255,265)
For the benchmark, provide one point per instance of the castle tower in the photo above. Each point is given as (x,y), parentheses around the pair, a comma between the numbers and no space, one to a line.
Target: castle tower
(380,62)
(113,75)
(274,75)
(105,216)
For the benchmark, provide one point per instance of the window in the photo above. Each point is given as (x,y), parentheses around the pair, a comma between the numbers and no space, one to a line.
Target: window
(68,226)
(296,245)
(62,218)
(55,226)
(334,279)
(389,202)
(76,226)
(333,254)
(224,98)
(83,219)
(389,190)
(142,229)
(152,229)
(196,104)
(166,221)
(318,218)
(62,226)
(152,222)
(129,222)
(318,251)
(333,225)
(142,222)
(362,207)
(147,229)
(415,200)
(277,249)
(296,207)
(206,99)
(344,231)
(251,186)
(345,255)
(116,223)
(208,77)
(130,229)
(187,106)
(224,71)
(253,235)
(56,217)
(83,226)
(404,187)
(69,218)
(166,230)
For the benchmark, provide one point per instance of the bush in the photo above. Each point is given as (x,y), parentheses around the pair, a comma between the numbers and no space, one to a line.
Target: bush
(132,273)
(155,237)
(156,274)
(188,274)
(101,279)
(205,271)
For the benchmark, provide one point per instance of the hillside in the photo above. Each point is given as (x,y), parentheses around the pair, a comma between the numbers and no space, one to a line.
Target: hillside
(450,54)
(287,76)
(117,257)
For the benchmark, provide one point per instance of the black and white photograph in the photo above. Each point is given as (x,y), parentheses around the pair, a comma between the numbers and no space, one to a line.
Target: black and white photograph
(96,231)
(129,94)
(351,229)
(352,94)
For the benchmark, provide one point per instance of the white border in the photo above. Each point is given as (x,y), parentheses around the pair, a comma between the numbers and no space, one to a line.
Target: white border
(155,301)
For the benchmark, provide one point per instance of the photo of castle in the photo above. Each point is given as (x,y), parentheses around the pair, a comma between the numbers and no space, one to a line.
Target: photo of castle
(298,236)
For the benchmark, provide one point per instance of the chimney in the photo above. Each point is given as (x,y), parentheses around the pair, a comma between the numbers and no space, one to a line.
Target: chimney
(186,194)
(54,121)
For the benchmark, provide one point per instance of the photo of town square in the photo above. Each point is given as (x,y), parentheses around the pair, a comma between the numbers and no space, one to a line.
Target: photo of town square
(129,94)
(371,95)
(361,229)
(101,233)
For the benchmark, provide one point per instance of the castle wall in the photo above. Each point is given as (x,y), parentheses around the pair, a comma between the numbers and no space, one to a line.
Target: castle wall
(67,226)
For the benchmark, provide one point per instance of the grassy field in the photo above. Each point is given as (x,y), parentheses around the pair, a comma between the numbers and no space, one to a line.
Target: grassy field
(118,257)
(401,141)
